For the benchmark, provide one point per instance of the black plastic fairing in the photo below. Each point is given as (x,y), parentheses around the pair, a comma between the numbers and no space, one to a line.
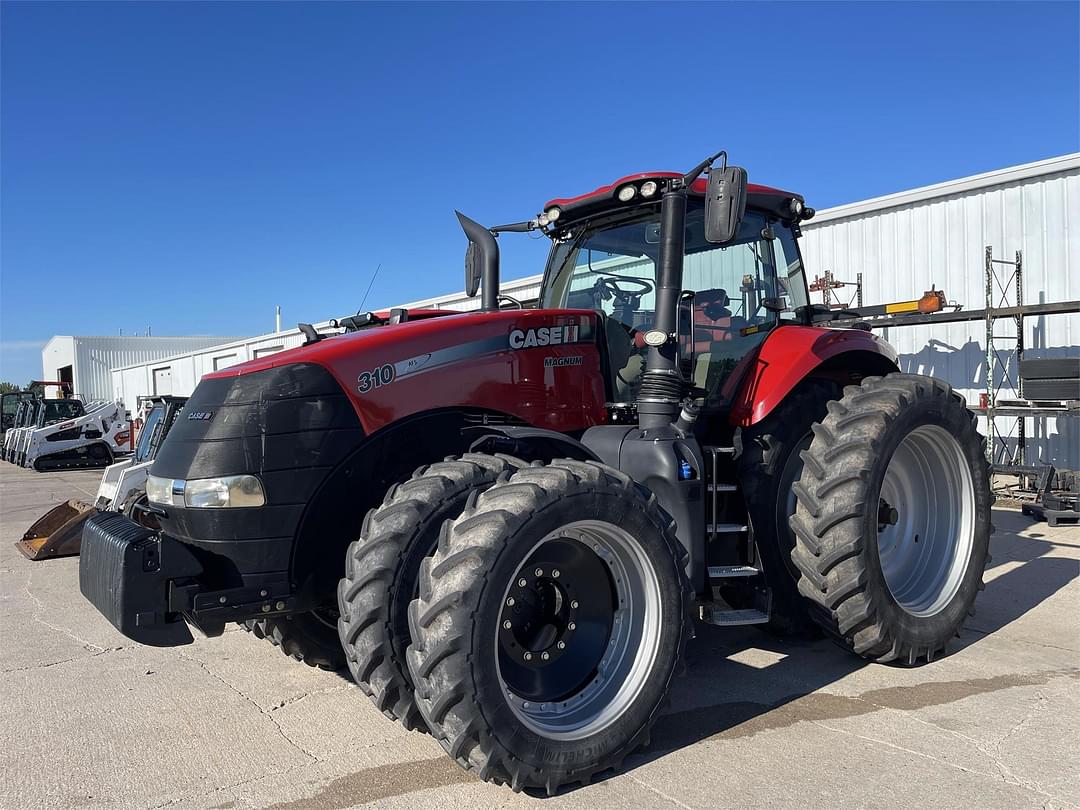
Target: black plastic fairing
(290,426)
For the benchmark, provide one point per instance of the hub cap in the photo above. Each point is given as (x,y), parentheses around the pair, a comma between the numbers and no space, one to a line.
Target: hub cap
(926,521)
(578,630)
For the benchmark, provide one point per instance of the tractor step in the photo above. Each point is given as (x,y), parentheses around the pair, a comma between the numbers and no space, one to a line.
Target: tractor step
(732,571)
(721,528)
(715,614)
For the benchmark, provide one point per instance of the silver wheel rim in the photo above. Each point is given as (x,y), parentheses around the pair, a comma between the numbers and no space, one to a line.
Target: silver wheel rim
(631,650)
(926,521)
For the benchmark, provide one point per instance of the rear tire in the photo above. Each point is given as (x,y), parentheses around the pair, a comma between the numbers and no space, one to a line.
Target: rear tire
(382,568)
(307,637)
(769,465)
(496,689)
(893,518)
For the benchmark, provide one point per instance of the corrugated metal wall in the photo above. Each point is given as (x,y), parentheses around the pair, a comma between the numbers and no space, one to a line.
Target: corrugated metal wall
(523,289)
(939,238)
(93,358)
(185,370)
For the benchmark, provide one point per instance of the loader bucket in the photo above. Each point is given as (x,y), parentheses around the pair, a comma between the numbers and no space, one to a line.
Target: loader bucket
(57,533)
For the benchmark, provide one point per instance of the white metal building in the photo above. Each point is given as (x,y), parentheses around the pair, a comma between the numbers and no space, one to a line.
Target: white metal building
(179,373)
(87,362)
(902,244)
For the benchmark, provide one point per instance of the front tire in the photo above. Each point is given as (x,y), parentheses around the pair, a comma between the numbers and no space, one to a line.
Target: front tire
(893,518)
(310,637)
(550,623)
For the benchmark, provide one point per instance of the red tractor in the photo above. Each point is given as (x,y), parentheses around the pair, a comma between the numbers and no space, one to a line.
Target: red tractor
(506,522)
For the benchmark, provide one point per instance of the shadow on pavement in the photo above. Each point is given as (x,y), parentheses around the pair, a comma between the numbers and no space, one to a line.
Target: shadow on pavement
(742,681)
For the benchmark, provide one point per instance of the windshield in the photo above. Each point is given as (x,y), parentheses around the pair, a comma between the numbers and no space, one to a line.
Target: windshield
(147,434)
(58,410)
(612,268)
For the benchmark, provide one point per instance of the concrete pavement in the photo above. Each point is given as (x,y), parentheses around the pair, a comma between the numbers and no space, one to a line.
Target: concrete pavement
(90,719)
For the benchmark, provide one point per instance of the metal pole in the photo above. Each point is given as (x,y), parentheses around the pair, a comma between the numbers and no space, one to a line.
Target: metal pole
(1020,423)
(990,434)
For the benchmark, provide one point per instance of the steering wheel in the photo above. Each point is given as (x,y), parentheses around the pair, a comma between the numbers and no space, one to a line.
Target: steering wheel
(608,288)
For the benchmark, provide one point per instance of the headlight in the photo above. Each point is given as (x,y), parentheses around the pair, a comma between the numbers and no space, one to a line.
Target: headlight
(207,493)
(159,490)
(626,193)
(655,337)
(231,490)
(553,214)
(543,220)
(648,188)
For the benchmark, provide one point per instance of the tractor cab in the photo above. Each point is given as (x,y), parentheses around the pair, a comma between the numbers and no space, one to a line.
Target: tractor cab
(732,294)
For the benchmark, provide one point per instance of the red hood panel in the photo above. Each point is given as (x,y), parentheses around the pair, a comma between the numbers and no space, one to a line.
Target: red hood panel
(540,366)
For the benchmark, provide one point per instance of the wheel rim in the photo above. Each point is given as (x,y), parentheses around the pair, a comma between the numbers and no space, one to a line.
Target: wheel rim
(574,648)
(926,521)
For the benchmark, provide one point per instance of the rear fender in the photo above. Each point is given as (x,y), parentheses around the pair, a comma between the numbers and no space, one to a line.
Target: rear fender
(790,354)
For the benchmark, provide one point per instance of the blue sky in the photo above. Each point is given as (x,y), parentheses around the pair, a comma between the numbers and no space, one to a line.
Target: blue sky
(188,166)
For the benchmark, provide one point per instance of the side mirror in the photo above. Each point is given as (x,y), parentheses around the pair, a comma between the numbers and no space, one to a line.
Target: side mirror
(472,270)
(725,203)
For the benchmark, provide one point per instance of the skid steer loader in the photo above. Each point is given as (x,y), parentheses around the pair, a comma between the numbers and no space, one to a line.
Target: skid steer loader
(9,406)
(515,516)
(66,435)
(24,416)
(58,532)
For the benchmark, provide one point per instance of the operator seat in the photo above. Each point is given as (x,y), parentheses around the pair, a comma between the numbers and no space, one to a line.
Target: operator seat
(627,360)
(712,325)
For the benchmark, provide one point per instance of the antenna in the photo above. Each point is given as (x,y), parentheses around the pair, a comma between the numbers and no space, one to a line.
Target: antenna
(373,275)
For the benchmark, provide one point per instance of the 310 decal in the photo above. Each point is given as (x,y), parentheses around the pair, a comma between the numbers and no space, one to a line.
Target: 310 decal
(376,378)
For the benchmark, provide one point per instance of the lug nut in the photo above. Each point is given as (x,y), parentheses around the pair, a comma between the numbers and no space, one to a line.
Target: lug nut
(528,656)
(555,573)
(574,604)
(545,656)
(266,608)
(571,626)
(510,601)
(280,606)
(507,625)
(522,582)
(262,593)
(539,572)
(561,645)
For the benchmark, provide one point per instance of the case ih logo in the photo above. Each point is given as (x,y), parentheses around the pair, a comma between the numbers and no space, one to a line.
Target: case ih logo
(200,416)
(543,336)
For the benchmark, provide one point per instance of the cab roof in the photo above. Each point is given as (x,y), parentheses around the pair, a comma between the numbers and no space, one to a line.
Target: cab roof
(765,197)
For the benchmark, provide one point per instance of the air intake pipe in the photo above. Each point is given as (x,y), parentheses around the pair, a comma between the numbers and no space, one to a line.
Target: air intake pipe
(662,386)
(481,262)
